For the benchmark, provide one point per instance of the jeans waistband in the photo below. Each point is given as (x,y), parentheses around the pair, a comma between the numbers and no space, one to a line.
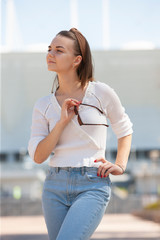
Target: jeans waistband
(75,169)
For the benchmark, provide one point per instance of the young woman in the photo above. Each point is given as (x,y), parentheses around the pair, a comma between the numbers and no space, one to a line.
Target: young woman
(72,123)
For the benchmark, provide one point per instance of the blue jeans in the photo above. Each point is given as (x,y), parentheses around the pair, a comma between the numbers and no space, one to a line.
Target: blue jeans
(74,201)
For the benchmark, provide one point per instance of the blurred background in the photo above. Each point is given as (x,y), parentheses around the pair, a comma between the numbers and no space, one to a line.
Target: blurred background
(124,38)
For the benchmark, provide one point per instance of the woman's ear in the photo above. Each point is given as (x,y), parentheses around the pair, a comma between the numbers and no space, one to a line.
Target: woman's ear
(77,61)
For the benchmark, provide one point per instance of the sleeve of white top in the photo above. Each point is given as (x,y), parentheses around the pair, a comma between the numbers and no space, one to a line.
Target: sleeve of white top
(120,121)
(39,129)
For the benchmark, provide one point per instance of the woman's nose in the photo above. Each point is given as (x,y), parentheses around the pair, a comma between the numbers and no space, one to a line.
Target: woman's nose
(51,53)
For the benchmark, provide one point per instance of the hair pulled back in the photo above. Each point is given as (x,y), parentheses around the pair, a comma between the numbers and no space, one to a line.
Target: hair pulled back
(81,47)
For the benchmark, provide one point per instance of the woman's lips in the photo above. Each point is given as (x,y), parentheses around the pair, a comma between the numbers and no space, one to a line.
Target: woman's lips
(51,62)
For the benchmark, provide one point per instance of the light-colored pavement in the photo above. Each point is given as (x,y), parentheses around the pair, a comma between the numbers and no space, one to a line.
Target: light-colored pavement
(112,226)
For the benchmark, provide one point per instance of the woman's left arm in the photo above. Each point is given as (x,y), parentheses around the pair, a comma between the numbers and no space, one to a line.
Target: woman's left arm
(122,127)
(118,168)
(124,146)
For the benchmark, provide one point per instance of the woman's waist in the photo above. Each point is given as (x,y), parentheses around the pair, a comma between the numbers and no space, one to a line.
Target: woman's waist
(75,152)
(76,158)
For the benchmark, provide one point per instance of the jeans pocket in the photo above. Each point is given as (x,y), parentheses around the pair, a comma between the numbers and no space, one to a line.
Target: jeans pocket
(92,177)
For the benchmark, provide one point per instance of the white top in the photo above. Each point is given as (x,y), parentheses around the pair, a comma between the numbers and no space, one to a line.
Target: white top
(80,145)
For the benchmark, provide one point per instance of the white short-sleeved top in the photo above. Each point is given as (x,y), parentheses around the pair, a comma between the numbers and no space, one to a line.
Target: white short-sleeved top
(80,145)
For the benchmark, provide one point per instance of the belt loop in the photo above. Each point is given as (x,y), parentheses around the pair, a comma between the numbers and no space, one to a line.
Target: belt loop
(82,171)
(57,169)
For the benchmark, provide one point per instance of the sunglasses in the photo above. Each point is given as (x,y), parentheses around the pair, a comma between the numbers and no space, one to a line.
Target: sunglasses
(79,118)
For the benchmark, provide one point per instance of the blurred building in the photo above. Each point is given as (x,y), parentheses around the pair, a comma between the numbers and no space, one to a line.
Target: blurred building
(134,75)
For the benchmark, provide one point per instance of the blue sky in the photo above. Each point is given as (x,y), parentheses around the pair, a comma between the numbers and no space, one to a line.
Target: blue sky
(130,23)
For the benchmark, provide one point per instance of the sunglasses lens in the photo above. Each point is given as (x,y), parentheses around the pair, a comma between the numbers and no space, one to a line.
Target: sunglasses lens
(91,115)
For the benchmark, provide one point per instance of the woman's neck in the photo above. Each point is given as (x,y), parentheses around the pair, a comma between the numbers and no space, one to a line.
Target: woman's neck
(68,84)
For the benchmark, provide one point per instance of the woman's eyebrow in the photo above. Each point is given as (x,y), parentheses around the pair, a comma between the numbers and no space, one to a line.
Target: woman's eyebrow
(56,47)
(60,47)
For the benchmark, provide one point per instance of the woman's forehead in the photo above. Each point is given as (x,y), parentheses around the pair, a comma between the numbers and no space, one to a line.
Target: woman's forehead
(64,42)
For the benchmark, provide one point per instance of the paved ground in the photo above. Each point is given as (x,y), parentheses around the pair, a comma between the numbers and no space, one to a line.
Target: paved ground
(112,227)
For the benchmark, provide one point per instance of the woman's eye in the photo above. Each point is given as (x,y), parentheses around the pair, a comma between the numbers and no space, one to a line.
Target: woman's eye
(56,50)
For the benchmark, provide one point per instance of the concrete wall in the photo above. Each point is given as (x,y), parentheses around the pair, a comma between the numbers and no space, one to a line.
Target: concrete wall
(135,76)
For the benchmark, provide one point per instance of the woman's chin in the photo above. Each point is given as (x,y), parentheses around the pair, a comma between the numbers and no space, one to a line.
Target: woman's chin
(51,69)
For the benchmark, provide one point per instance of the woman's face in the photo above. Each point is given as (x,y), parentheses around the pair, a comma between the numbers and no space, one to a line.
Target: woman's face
(60,57)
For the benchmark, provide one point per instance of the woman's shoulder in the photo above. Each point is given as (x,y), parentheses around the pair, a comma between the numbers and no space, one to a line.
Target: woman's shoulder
(43,102)
(105,92)
(102,88)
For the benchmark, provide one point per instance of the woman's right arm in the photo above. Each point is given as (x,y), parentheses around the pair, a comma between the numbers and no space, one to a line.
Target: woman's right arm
(46,146)
(48,143)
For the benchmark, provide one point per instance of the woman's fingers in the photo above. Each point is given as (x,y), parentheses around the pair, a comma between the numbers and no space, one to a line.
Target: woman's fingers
(101,160)
(76,101)
(107,167)
(69,103)
(72,100)
(103,168)
(109,171)
(67,112)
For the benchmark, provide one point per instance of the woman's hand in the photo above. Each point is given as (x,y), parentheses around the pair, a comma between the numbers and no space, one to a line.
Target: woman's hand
(67,111)
(107,167)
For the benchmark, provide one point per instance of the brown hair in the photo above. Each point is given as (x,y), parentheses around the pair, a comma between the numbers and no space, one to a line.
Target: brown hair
(81,47)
